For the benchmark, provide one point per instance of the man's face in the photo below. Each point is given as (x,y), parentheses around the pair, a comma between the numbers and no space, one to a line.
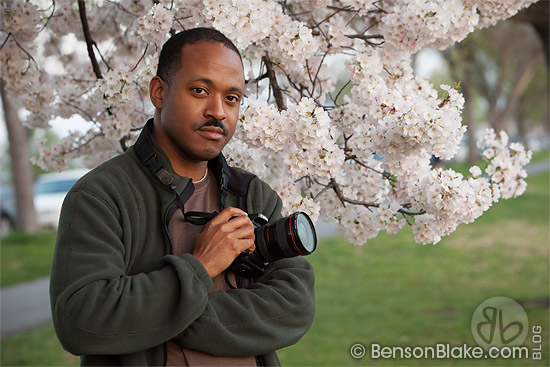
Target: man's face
(200,107)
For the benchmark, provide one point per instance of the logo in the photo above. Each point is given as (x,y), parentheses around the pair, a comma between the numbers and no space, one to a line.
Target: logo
(357,351)
(499,322)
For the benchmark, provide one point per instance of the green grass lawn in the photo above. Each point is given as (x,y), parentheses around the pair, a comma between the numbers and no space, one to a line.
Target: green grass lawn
(26,257)
(36,348)
(394,292)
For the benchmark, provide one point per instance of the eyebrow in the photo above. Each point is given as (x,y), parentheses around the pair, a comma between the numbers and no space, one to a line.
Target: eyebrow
(210,82)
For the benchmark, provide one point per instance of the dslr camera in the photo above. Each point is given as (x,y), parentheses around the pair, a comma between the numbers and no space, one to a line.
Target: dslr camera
(286,237)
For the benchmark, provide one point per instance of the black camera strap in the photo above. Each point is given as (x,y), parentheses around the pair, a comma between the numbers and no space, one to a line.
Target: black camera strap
(238,185)
(148,157)
(199,218)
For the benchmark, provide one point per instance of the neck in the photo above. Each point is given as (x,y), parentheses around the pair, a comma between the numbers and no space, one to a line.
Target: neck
(195,170)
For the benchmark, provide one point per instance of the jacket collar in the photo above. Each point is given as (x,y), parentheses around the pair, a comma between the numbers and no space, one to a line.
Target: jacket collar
(151,155)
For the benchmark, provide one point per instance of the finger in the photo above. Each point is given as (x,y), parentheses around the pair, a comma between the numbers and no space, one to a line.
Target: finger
(244,233)
(247,245)
(239,222)
(227,214)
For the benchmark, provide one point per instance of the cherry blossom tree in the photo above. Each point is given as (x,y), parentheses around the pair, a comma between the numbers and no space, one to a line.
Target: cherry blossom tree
(359,158)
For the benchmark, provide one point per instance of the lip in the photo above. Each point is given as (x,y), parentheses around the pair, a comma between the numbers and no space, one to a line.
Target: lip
(211,133)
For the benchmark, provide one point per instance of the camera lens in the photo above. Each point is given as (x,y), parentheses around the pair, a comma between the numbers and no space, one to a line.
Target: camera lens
(287,237)
(306,233)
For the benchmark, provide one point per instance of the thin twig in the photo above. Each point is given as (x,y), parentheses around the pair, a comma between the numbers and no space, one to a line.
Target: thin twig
(6,40)
(141,58)
(50,17)
(330,16)
(256,80)
(25,51)
(74,149)
(365,37)
(118,5)
(345,8)
(324,189)
(386,175)
(339,92)
(317,74)
(379,8)
(102,58)
(79,109)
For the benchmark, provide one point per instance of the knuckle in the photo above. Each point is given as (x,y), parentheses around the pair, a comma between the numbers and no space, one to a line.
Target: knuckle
(235,246)
(224,228)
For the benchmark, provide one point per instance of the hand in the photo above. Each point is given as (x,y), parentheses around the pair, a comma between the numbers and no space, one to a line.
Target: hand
(223,239)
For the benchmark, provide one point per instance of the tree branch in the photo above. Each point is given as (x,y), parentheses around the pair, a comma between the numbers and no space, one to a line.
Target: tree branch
(277,93)
(386,175)
(367,38)
(88,37)
(347,8)
(334,185)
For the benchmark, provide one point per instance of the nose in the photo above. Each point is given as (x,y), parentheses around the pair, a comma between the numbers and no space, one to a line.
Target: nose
(215,108)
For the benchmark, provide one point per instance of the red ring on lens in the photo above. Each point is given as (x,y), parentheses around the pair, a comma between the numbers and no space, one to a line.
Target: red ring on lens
(291,236)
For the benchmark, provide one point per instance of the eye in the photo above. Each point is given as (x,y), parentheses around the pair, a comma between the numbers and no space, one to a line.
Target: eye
(199,90)
(233,99)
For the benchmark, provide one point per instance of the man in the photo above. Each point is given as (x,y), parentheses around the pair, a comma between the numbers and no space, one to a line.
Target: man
(133,282)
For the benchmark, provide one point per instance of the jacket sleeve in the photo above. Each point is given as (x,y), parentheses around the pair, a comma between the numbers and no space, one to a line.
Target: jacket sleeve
(273,312)
(96,307)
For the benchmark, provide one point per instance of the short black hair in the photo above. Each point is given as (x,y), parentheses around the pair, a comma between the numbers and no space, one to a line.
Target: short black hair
(170,55)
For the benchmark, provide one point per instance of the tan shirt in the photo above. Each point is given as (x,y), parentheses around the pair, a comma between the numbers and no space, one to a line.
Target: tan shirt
(204,199)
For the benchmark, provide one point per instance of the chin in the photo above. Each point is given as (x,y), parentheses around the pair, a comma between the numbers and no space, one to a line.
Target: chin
(206,156)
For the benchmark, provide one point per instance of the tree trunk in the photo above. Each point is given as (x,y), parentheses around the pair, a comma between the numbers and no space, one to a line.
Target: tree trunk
(467,87)
(537,14)
(473,155)
(499,117)
(23,180)
(521,124)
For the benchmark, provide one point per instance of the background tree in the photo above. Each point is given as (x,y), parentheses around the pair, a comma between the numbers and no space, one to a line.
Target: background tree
(499,64)
(21,167)
(538,15)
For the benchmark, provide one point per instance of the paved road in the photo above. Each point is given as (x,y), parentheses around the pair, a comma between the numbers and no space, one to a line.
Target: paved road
(27,306)
(537,167)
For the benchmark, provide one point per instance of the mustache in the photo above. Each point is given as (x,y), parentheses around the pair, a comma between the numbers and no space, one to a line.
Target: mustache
(215,123)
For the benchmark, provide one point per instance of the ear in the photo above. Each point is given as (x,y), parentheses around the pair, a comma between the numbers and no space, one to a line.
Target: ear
(157,91)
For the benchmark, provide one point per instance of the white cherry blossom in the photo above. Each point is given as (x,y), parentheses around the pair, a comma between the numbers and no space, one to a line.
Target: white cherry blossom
(361,161)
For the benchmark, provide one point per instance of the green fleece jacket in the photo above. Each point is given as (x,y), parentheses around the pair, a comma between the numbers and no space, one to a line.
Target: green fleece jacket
(118,295)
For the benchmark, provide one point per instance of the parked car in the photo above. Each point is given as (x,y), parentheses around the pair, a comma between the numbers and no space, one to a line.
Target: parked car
(49,192)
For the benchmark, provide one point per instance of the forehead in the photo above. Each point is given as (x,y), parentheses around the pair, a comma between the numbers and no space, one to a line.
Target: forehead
(210,60)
